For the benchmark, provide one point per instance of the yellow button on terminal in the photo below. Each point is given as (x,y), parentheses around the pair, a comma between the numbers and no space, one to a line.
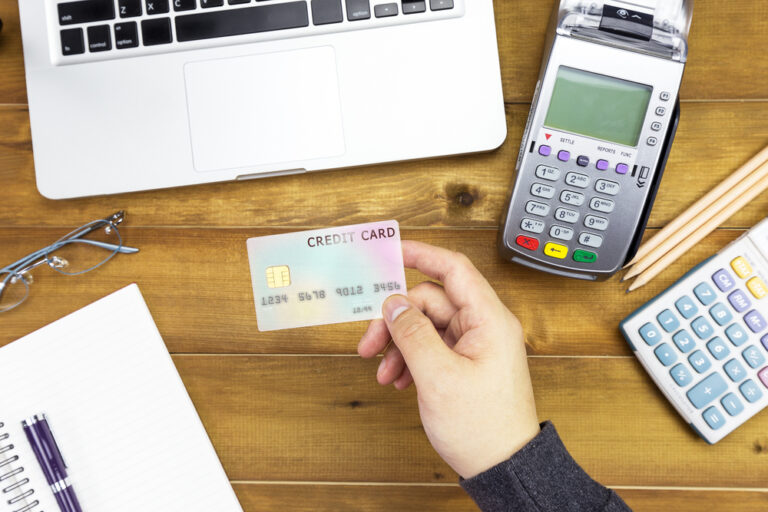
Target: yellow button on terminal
(757,287)
(742,267)
(556,251)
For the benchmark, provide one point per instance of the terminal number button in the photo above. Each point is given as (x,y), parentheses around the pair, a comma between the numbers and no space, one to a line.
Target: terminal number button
(602,205)
(591,240)
(556,251)
(566,215)
(546,172)
(527,242)
(561,233)
(541,190)
(572,198)
(594,222)
(577,180)
(540,209)
(610,188)
(757,287)
(532,226)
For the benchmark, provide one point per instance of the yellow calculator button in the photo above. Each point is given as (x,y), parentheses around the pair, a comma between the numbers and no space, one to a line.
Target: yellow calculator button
(742,267)
(757,287)
(556,251)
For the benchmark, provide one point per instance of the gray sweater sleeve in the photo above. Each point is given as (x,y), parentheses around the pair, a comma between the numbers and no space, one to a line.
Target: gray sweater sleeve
(542,476)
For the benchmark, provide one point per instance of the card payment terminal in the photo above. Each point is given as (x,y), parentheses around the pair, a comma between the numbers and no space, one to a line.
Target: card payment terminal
(603,118)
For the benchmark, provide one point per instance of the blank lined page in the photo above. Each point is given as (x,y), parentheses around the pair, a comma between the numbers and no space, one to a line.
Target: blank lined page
(119,411)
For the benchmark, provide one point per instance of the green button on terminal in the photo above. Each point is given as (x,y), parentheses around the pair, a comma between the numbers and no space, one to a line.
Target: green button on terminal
(584,256)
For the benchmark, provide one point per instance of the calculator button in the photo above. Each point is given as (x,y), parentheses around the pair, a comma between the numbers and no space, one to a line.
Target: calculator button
(577,180)
(742,267)
(582,161)
(705,294)
(564,156)
(622,169)
(706,391)
(590,240)
(594,222)
(714,418)
(546,172)
(665,354)
(721,314)
(735,370)
(755,321)
(754,357)
(650,334)
(532,226)
(765,341)
(566,215)
(556,251)
(732,404)
(757,287)
(736,334)
(572,198)
(607,187)
(684,341)
(527,242)
(584,256)
(718,348)
(602,165)
(763,376)
(681,375)
(668,321)
(750,391)
(740,301)
(686,307)
(545,150)
(541,190)
(702,328)
(602,205)
(700,361)
(540,209)
(561,233)
(723,280)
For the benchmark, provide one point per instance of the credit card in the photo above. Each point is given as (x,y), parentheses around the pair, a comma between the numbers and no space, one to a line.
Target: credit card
(325,276)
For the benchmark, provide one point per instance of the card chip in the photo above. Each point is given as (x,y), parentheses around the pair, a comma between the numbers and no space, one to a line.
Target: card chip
(279,277)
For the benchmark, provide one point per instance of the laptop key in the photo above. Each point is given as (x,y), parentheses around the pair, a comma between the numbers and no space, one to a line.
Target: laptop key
(156,31)
(86,11)
(236,2)
(99,38)
(157,6)
(325,12)
(358,10)
(440,5)
(414,6)
(235,22)
(126,35)
(129,8)
(184,5)
(385,10)
(72,42)
(211,3)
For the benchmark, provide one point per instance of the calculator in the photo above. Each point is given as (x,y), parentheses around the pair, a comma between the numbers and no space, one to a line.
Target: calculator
(704,341)
(602,122)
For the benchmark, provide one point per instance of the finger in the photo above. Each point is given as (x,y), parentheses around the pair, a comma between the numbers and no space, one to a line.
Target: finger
(375,339)
(431,298)
(404,380)
(391,366)
(464,284)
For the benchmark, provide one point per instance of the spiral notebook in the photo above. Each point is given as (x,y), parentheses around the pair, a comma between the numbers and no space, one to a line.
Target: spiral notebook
(126,427)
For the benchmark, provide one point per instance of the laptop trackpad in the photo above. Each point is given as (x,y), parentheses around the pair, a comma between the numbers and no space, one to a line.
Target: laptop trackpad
(252,111)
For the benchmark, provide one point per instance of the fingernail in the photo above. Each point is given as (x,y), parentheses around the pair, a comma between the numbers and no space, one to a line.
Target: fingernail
(382,366)
(395,306)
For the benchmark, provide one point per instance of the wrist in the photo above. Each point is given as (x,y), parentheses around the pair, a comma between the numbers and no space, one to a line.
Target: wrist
(500,452)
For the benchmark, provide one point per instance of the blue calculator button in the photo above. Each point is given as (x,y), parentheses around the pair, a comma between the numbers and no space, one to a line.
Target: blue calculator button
(723,280)
(754,357)
(732,404)
(665,354)
(740,301)
(699,361)
(681,375)
(755,321)
(650,334)
(705,294)
(718,348)
(735,370)
(686,307)
(714,418)
(721,314)
(702,328)
(750,391)
(736,334)
(668,321)
(706,391)
(684,341)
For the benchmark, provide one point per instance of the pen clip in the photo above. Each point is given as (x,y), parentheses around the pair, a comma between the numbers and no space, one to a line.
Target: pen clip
(58,454)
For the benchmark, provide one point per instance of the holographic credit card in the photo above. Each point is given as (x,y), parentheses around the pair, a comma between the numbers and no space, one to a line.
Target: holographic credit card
(325,276)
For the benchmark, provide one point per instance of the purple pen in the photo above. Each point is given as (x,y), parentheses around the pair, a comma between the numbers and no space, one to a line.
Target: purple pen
(51,462)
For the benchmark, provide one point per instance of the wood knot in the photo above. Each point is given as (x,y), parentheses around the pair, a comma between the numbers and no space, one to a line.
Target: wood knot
(438,476)
(461,196)
(354,404)
(760,447)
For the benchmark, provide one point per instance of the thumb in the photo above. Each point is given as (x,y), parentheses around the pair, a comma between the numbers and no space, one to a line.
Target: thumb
(414,334)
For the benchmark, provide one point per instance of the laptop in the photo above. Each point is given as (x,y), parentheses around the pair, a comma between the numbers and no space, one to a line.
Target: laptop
(129,95)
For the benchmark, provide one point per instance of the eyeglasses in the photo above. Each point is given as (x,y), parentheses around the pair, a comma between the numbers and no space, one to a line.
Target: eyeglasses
(84,249)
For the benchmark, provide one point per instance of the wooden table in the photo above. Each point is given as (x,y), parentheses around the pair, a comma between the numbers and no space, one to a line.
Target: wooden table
(296,417)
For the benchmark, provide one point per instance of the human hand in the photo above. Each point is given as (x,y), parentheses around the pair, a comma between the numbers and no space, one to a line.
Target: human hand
(465,352)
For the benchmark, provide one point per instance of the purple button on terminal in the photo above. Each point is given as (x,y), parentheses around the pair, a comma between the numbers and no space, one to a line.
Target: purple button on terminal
(545,150)
(755,321)
(602,165)
(564,156)
(622,169)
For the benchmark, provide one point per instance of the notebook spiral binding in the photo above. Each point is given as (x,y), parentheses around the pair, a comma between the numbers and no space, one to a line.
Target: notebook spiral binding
(14,486)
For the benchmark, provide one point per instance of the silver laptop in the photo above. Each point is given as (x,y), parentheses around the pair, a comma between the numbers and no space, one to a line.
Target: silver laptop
(128,95)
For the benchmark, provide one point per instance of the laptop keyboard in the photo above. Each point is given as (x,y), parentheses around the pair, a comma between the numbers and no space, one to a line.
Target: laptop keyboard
(104,29)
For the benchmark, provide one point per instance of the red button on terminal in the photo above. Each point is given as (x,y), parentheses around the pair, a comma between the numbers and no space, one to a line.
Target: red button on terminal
(527,242)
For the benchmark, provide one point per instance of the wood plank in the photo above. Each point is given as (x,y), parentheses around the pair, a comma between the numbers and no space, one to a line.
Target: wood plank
(197,283)
(324,419)
(468,191)
(722,65)
(385,498)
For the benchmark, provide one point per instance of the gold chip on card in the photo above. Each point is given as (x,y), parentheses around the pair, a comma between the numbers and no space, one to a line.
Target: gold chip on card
(278,277)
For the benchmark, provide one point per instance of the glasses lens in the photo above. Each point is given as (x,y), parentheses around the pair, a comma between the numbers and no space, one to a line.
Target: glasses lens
(13,292)
(84,253)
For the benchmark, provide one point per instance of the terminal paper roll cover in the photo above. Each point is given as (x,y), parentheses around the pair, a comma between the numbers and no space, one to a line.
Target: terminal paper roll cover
(673,16)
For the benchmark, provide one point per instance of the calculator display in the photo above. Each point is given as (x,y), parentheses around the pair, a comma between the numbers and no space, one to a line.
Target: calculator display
(598,106)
